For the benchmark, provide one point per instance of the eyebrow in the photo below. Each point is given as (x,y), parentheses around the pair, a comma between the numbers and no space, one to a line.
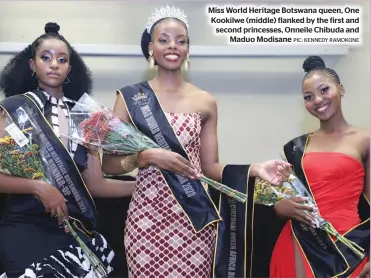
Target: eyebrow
(320,85)
(60,53)
(165,34)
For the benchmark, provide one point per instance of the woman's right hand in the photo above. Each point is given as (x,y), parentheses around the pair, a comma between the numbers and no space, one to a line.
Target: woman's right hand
(53,200)
(168,160)
(292,209)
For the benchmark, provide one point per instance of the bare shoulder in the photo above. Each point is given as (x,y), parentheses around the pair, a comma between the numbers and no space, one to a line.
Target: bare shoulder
(203,101)
(363,137)
(203,97)
(363,133)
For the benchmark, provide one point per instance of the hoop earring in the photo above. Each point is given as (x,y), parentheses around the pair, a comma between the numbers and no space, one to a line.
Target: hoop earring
(67,80)
(186,63)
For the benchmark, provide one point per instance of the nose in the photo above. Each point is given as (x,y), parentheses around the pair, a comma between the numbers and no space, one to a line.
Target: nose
(318,99)
(172,44)
(54,63)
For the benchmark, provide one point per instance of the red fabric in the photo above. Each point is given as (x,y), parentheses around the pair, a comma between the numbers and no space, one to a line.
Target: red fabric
(336,182)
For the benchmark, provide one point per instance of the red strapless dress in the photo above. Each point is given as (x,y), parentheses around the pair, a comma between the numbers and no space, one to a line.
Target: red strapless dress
(336,182)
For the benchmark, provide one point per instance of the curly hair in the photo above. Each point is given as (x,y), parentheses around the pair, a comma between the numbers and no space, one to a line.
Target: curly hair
(16,78)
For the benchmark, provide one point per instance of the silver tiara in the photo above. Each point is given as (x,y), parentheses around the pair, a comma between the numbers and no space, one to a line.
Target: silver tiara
(166,12)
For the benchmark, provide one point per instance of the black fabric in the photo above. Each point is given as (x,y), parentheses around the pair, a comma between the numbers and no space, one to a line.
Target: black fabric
(267,228)
(112,214)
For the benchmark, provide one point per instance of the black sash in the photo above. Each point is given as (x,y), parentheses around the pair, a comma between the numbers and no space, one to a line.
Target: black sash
(60,167)
(326,258)
(234,244)
(147,115)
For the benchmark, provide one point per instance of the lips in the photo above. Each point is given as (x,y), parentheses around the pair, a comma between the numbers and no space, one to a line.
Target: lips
(172,57)
(322,108)
(53,74)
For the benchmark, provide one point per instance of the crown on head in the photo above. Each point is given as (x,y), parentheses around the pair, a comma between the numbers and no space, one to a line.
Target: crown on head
(166,12)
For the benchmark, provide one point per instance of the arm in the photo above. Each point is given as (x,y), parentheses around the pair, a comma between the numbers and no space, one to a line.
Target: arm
(209,145)
(366,190)
(114,164)
(15,185)
(99,186)
(209,153)
(366,187)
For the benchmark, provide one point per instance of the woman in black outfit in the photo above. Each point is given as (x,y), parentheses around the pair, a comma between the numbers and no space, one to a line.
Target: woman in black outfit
(49,76)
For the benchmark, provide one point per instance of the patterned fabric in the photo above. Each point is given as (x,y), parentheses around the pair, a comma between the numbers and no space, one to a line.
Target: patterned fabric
(159,239)
(72,263)
(49,106)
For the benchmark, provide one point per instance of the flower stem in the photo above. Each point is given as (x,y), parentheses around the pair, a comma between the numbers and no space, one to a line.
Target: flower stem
(97,264)
(225,189)
(350,244)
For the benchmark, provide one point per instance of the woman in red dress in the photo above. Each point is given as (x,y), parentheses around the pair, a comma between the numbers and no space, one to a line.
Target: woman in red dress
(334,162)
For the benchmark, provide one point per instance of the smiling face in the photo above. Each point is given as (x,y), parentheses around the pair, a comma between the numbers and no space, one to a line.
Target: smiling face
(51,63)
(322,95)
(169,44)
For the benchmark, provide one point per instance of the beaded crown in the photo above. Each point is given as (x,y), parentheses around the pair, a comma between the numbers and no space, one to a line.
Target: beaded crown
(166,12)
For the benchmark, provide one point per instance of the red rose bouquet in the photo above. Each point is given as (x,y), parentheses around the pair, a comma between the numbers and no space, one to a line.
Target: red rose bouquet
(95,126)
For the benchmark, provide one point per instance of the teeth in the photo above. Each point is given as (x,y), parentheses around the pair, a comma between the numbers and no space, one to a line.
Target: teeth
(322,108)
(172,57)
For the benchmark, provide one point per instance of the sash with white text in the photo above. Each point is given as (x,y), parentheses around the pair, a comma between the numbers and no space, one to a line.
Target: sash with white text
(234,245)
(147,115)
(64,173)
(325,257)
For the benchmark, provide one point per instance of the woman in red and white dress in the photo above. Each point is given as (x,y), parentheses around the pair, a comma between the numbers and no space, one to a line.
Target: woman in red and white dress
(159,239)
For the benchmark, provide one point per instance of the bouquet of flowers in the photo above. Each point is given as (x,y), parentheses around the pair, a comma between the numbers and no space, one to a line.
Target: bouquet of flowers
(21,155)
(97,127)
(267,194)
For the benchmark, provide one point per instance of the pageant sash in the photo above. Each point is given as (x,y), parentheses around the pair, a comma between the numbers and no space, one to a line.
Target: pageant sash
(57,160)
(147,115)
(325,257)
(234,244)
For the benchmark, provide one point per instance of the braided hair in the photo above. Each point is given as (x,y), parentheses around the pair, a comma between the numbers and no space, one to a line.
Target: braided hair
(147,37)
(16,78)
(315,64)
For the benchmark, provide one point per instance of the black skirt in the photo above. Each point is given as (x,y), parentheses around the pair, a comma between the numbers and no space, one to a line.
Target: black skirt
(40,248)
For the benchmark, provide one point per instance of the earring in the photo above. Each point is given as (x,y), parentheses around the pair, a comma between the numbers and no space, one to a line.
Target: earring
(151,60)
(186,62)
(33,72)
(67,80)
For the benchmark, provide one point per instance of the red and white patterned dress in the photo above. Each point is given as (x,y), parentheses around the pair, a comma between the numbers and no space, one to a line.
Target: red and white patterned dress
(159,239)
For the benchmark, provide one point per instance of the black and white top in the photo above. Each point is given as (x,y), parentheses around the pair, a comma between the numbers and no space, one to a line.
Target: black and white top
(49,106)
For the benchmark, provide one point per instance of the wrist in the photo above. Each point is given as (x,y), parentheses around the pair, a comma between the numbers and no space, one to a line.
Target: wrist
(144,158)
(36,188)
(254,170)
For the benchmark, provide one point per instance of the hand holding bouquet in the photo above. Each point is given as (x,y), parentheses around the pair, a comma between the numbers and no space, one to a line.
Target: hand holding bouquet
(97,127)
(266,194)
(21,155)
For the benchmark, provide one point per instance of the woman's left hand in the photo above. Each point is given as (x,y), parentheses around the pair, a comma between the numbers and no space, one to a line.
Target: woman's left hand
(365,273)
(273,171)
